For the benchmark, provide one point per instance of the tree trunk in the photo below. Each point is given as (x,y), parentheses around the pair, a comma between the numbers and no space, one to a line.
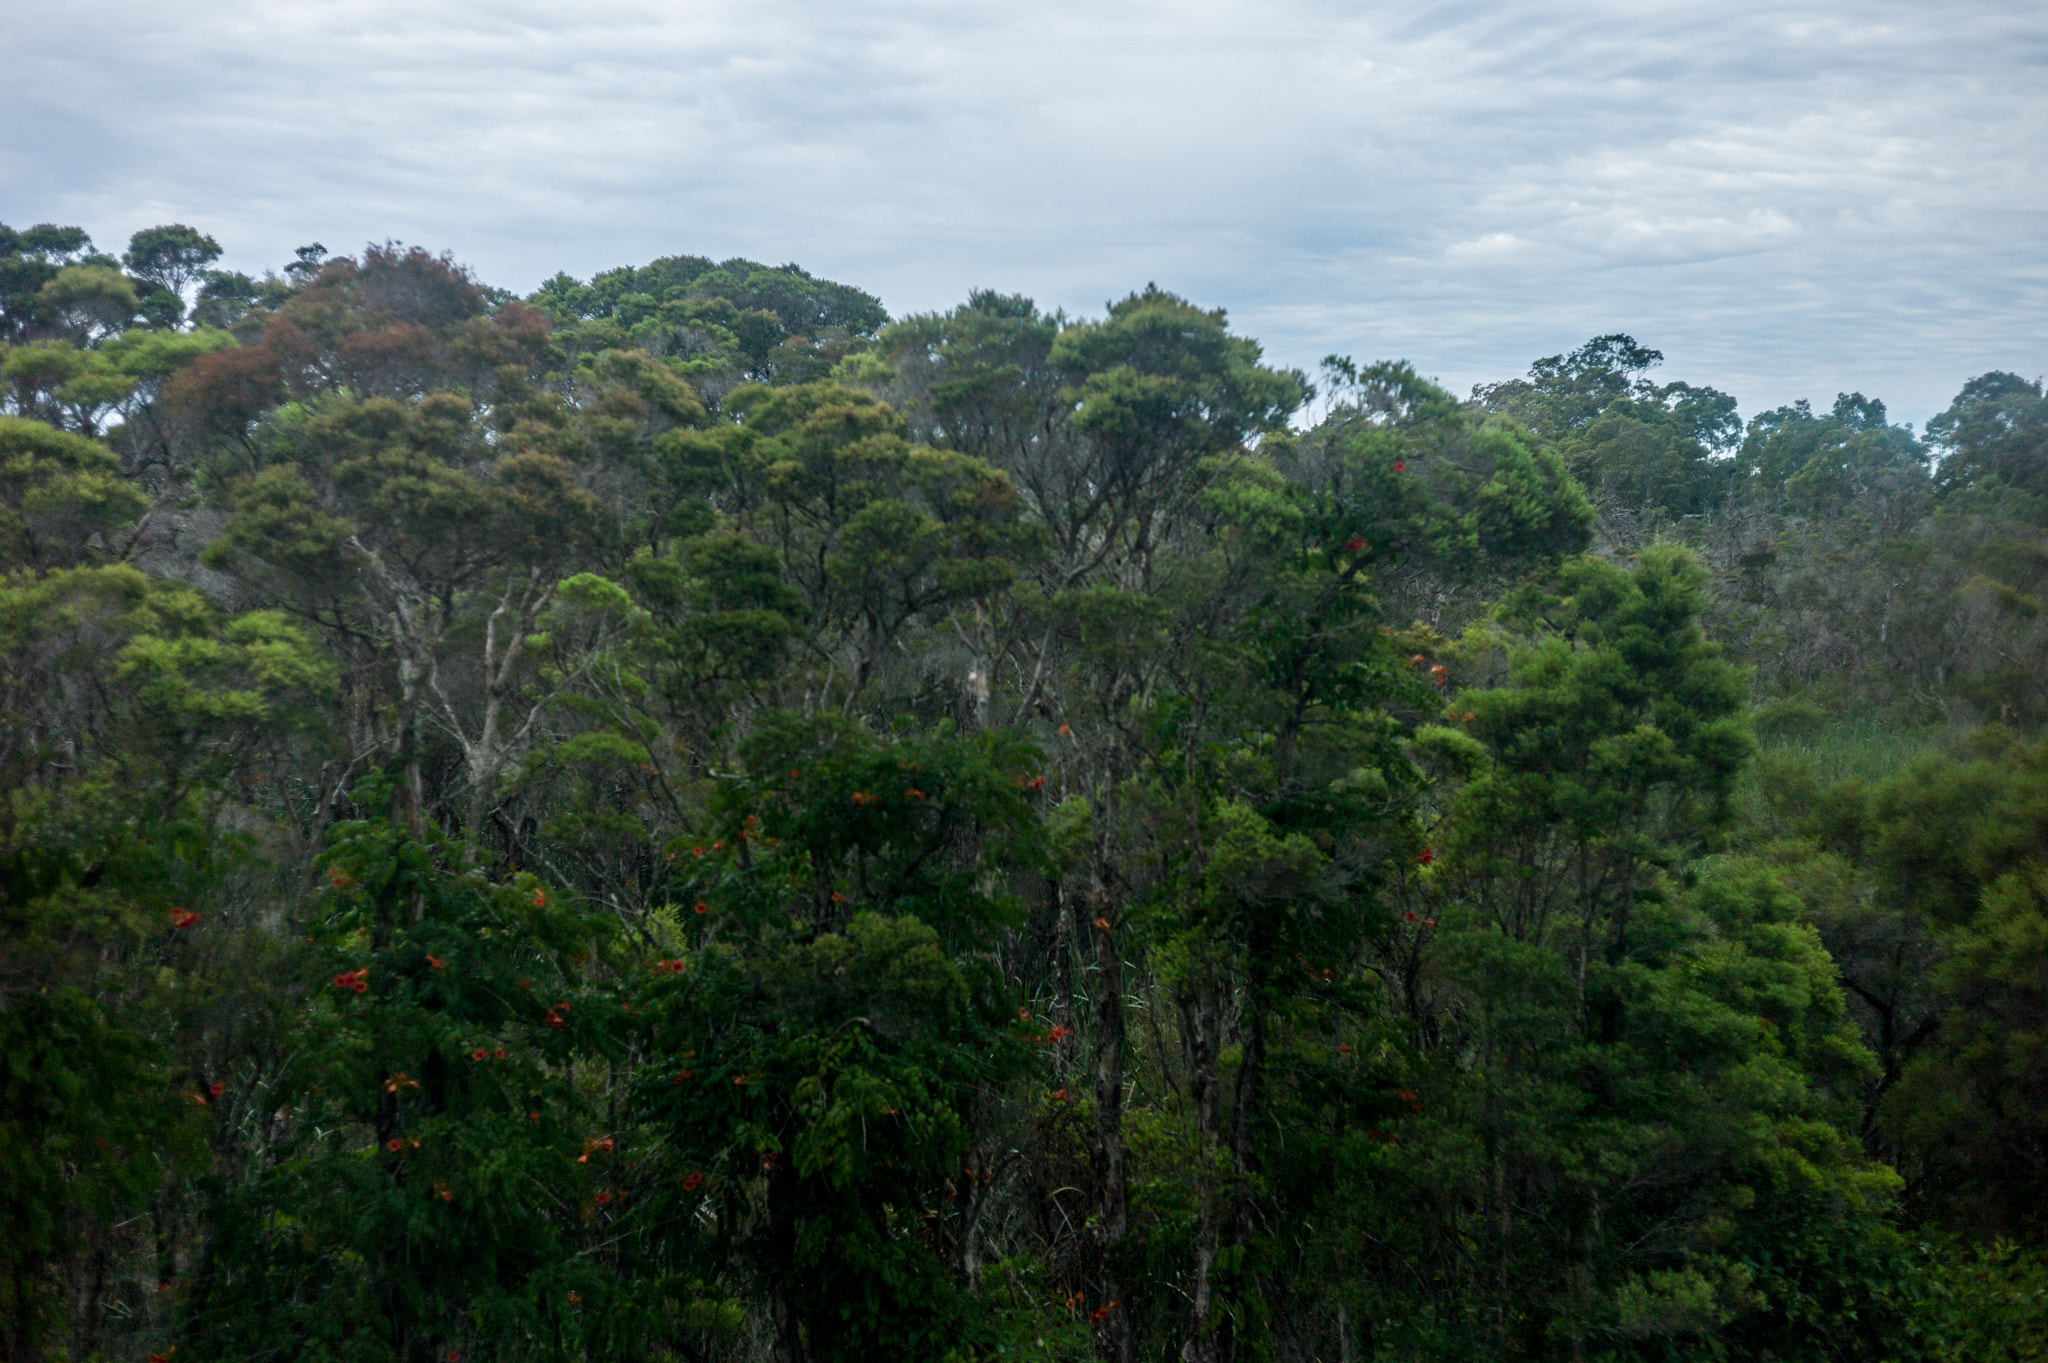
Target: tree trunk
(1113,1340)
(1199,1021)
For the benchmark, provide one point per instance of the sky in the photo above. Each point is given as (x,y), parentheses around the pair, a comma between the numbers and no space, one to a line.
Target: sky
(1788,200)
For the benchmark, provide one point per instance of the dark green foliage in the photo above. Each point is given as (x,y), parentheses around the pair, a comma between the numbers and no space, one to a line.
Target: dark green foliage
(679,819)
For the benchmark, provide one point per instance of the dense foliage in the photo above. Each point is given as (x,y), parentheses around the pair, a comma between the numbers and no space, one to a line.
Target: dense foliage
(682,818)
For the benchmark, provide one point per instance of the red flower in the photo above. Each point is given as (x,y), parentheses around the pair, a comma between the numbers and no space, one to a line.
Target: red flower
(540,899)
(454,1355)
(533,1116)
(477,1054)
(498,1054)
(1409,916)
(435,961)
(1425,856)
(553,1019)
(1059,1034)
(1059,1095)
(1035,783)
(1102,923)
(603,1198)
(183,918)
(216,1089)
(1354,544)
(702,907)
(358,980)
(693,1183)
(1416,659)
(1101,1313)
(1400,467)
(861,797)
(1023,1015)
(394,1145)
(339,880)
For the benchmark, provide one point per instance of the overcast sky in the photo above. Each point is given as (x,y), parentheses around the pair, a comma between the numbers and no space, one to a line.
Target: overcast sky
(1788,200)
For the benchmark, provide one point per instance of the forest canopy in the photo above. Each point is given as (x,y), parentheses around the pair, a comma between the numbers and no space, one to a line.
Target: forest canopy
(683,817)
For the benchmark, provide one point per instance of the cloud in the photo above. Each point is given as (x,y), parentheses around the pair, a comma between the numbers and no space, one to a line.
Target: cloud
(1788,202)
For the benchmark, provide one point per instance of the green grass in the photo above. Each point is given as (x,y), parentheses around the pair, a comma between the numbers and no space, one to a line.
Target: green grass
(1869,750)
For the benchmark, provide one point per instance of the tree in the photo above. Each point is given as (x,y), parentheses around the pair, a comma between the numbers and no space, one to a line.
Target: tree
(171,259)
(1994,443)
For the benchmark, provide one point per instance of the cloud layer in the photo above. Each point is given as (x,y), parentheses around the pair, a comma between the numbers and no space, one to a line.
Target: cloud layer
(1788,202)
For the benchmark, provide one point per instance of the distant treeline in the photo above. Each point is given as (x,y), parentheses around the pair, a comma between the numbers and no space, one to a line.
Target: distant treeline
(681,818)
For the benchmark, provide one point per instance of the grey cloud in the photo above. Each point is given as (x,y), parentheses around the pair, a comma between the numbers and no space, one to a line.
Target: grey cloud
(1788,202)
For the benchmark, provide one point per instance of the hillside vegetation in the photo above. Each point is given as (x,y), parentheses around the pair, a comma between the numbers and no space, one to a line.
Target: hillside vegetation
(681,818)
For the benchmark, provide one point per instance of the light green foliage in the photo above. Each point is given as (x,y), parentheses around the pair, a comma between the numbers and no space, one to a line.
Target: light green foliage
(60,496)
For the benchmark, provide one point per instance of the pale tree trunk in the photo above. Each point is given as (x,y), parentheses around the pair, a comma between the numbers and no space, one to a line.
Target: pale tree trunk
(1113,1339)
(1200,1021)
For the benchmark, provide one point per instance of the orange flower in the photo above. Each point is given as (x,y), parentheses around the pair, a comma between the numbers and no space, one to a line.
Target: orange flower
(553,1018)
(1059,1095)
(1343,1050)
(477,1054)
(1102,923)
(1066,731)
(1035,783)
(183,918)
(435,961)
(1023,1015)
(1058,1034)
(838,898)
(861,797)
(540,899)
(1416,659)
(394,1145)
(914,793)
(574,1298)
